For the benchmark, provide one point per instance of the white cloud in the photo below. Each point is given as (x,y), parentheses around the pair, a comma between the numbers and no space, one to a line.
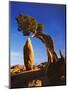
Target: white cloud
(15,53)
(16,58)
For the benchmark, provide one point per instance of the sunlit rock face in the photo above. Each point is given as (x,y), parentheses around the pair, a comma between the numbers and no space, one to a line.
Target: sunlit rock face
(28,55)
(34,83)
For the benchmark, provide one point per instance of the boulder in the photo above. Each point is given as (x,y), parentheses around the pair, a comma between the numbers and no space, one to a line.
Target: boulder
(28,55)
(35,83)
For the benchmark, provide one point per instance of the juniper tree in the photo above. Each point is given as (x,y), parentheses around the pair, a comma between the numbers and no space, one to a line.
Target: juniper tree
(28,24)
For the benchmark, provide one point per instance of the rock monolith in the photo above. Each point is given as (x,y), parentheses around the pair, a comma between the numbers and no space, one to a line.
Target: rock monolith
(28,55)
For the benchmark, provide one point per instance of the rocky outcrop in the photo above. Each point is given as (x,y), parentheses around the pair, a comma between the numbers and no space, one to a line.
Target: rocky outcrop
(35,83)
(28,55)
(43,74)
(17,69)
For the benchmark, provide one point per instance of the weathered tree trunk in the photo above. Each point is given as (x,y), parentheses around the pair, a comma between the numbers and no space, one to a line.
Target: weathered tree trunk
(28,55)
(48,42)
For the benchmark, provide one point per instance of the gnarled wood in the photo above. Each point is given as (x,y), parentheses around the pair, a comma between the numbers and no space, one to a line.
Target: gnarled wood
(48,42)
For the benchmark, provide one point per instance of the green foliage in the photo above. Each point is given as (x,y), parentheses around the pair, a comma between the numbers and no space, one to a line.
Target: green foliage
(28,24)
(39,27)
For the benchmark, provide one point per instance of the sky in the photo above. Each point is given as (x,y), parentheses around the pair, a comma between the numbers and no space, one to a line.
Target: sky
(52,16)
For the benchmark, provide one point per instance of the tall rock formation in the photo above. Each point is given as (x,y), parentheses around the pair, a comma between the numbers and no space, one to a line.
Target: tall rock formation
(28,55)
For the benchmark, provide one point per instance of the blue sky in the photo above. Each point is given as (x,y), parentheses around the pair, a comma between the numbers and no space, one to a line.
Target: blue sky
(53,19)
